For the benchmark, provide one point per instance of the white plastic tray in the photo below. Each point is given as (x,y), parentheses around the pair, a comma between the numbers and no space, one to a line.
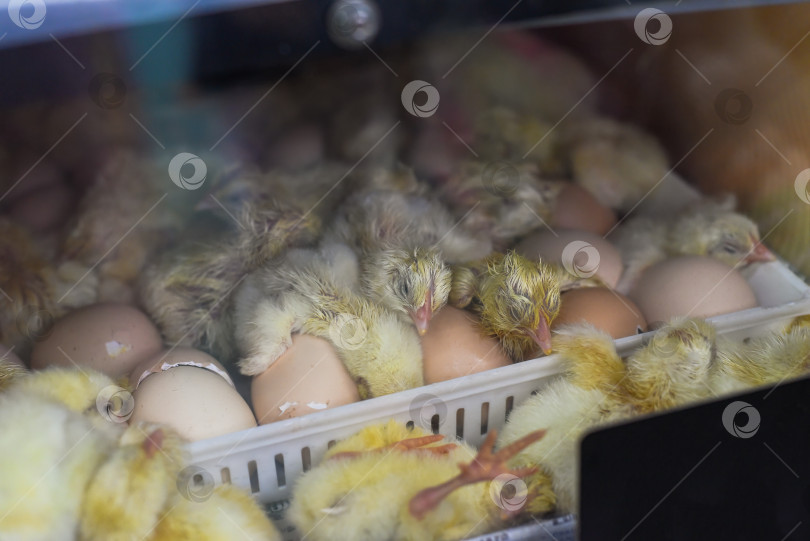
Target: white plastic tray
(268,459)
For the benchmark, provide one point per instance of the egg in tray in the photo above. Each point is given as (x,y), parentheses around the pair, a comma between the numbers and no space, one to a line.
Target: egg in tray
(340,254)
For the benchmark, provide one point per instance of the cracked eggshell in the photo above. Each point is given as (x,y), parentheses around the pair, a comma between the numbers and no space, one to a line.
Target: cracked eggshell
(578,249)
(308,377)
(191,392)
(110,338)
(454,347)
(607,310)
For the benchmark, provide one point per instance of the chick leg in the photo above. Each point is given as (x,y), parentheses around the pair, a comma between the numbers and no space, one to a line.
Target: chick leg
(486,466)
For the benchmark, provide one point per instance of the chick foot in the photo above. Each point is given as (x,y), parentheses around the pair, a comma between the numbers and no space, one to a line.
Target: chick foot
(486,466)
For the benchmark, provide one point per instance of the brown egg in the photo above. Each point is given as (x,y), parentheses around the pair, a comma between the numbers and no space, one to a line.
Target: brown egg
(308,377)
(8,355)
(110,338)
(191,392)
(690,286)
(454,347)
(577,209)
(603,308)
(582,253)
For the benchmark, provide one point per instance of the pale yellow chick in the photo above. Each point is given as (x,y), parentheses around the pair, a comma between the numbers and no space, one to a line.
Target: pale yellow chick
(708,228)
(516,298)
(311,291)
(597,387)
(50,449)
(765,360)
(140,493)
(388,482)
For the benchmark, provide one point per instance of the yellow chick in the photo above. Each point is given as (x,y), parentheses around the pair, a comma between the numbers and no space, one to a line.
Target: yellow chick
(350,496)
(597,387)
(9,371)
(618,163)
(765,360)
(311,291)
(500,201)
(415,284)
(51,449)
(708,228)
(188,293)
(517,300)
(141,492)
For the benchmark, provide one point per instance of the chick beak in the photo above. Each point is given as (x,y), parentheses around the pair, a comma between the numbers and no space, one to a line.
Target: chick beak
(759,254)
(542,336)
(421,317)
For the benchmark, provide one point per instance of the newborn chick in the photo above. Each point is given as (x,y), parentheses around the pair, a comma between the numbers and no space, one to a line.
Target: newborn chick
(44,471)
(709,228)
(188,293)
(597,387)
(310,291)
(404,240)
(140,492)
(381,483)
(765,360)
(516,298)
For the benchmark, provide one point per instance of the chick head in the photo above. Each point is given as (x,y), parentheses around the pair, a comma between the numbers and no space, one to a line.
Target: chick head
(714,231)
(416,283)
(520,297)
(75,388)
(675,366)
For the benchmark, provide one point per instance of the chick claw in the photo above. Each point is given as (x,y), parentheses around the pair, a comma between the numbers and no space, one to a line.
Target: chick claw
(486,466)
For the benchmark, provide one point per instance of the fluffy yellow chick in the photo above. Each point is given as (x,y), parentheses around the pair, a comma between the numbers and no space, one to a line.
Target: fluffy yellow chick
(51,450)
(388,482)
(415,284)
(311,291)
(516,299)
(499,200)
(188,293)
(597,387)
(141,492)
(618,163)
(404,240)
(708,228)
(765,360)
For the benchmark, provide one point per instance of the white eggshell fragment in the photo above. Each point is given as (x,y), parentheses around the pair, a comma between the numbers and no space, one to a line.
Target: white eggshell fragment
(581,253)
(692,286)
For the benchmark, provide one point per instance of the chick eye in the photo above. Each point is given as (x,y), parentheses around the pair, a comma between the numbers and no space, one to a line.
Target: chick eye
(729,248)
(405,289)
